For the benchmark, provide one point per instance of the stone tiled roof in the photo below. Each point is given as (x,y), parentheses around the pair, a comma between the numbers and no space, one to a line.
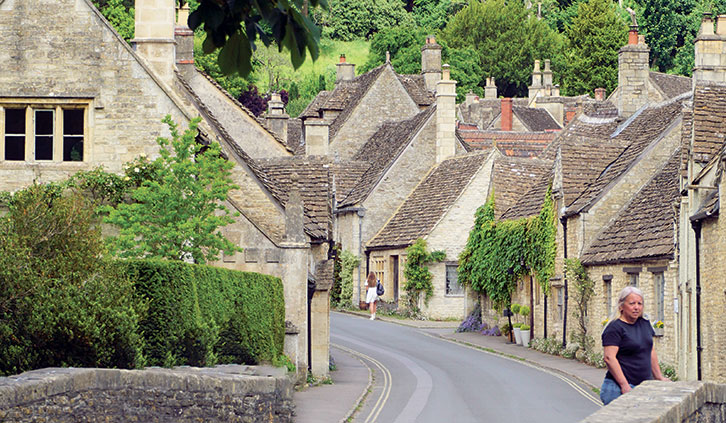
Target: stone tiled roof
(324,275)
(295,141)
(513,176)
(686,136)
(428,203)
(347,175)
(710,207)
(315,184)
(531,202)
(709,120)
(242,107)
(510,143)
(486,110)
(645,228)
(583,160)
(381,149)
(314,109)
(671,85)
(416,88)
(637,133)
(535,119)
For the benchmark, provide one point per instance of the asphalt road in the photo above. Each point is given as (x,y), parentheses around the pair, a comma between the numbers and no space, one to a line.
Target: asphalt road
(421,378)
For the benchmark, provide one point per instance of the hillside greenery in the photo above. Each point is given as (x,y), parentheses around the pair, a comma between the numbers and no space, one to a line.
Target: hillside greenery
(480,38)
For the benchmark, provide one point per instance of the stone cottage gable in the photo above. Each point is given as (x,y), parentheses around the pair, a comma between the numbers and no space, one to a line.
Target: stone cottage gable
(535,119)
(428,203)
(513,176)
(416,88)
(645,228)
(509,143)
(640,132)
(381,150)
(709,121)
(239,122)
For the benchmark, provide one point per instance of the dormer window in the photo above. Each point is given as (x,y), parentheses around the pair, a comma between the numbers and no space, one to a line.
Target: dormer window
(43,131)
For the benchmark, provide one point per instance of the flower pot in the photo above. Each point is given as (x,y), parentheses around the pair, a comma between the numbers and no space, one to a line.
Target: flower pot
(518,336)
(525,337)
(658,331)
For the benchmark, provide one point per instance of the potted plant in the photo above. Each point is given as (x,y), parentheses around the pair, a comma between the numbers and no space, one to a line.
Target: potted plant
(524,329)
(505,329)
(658,328)
(516,326)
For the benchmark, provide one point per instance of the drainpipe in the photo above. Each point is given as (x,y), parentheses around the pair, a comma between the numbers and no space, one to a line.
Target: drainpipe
(696,224)
(361,213)
(563,220)
(545,316)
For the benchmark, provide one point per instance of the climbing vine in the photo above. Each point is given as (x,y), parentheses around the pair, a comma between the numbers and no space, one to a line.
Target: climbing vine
(348,263)
(418,277)
(584,289)
(498,253)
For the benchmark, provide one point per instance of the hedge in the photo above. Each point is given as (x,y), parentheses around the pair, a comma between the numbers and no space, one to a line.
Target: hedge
(201,315)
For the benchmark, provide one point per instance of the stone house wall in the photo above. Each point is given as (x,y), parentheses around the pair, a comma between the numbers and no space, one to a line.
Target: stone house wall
(713,298)
(386,100)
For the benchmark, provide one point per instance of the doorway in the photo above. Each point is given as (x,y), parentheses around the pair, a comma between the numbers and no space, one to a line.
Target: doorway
(394,277)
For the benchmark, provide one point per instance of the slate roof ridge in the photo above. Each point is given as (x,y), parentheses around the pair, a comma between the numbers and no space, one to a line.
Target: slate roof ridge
(628,157)
(425,225)
(244,109)
(640,206)
(379,167)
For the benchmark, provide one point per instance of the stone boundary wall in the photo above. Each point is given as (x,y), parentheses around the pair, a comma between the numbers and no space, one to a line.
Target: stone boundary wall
(229,393)
(667,402)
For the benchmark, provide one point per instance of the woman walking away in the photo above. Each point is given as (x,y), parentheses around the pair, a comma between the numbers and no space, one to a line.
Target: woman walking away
(628,347)
(371,294)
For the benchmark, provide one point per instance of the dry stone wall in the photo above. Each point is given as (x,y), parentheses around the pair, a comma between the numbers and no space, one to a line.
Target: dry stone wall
(228,393)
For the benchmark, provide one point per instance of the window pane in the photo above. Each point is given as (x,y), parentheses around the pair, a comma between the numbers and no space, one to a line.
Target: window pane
(14,147)
(452,281)
(72,149)
(72,121)
(14,121)
(43,147)
(43,122)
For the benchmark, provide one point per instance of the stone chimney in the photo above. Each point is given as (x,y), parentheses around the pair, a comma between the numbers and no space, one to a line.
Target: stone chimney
(445,116)
(506,117)
(469,99)
(710,50)
(184,38)
(154,28)
(431,63)
(633,74)
(536,86)
(599,94)
(547,75)
(276,118)
(317,136)
(346,71)
(490,90)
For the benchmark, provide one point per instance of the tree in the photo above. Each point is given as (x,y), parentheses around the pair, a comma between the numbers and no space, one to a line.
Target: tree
(596,35)
(666,26)
(234,27)
(177,214)
(350,19)
(120,15)
(404,45)
(507,40)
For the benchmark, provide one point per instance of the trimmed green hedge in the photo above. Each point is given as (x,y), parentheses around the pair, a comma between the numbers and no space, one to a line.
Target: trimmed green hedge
(201,315)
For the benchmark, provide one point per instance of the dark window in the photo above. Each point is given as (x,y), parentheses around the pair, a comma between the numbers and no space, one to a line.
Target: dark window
(659,282)
(72,135)
(633,279)
(15,134)
(44,134)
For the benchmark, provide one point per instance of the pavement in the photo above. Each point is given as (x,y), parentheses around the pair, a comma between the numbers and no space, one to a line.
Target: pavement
(352,379)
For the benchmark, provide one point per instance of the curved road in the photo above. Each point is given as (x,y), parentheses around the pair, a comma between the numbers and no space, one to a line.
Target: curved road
(421,378)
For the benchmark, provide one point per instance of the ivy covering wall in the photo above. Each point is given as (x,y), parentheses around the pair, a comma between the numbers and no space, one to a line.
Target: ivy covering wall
(498,253)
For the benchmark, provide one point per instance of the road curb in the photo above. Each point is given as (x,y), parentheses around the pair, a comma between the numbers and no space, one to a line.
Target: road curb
(363,394)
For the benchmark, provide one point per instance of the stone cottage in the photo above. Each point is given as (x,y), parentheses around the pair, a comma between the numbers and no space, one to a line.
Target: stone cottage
(74,96)
(440,210)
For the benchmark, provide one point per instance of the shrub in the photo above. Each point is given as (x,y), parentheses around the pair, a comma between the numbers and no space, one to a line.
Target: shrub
(202,315)
(60,304)
(668,371)
(493,331)
(473,322)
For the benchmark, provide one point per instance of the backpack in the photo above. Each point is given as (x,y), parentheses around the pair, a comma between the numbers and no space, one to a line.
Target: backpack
(379,289)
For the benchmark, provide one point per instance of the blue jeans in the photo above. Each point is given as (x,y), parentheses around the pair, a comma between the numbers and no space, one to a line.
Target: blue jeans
(610,390)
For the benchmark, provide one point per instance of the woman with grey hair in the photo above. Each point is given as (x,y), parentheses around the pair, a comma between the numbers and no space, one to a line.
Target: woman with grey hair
(627,341)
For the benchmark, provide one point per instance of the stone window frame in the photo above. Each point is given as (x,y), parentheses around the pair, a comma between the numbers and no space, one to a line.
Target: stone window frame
(659,283)
(633,275)
(448,291)
(57,105)
(607,281)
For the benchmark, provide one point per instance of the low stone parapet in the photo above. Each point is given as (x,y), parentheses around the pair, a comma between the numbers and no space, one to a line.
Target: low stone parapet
(229,393)
(667,402)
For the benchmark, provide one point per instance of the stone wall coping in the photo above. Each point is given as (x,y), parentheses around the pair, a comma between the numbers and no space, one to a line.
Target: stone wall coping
(660,402)
(225,379)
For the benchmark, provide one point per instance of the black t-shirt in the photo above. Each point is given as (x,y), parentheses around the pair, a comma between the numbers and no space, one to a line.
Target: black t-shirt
(635,343)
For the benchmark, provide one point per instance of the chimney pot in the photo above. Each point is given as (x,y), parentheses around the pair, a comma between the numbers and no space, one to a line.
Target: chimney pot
(706,24)
(506,118)
(633,35)
(342,58)
(721,25)
(388,56)
(446,72)
(547,65)
(536,66)
(600,94)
